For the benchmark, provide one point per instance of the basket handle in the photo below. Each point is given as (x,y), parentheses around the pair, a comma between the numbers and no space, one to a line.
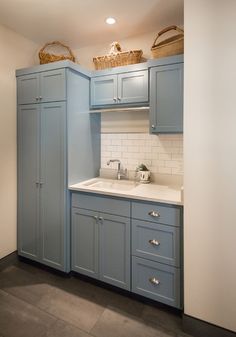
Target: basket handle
(60,44)
(167,29)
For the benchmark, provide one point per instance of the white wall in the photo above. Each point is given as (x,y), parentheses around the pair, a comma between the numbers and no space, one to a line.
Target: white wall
(16,52)
(210,161)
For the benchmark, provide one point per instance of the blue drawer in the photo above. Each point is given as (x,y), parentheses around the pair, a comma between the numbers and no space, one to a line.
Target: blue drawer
(156,213)
(101,204)
(156,242)
(156,281)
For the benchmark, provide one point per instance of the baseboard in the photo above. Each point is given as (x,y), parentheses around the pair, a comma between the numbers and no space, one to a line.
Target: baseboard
(199,328)
(8,260)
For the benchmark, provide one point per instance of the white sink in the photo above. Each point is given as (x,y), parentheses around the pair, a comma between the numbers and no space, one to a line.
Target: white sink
(114,185)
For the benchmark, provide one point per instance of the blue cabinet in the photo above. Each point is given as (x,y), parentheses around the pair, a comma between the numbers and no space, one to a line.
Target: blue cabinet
(114,250)
(58,139)
(28,180)
(101,241)
(42,183)
(122,88)
(166,98)
(47,86)
(157,252)
(84,230)
(104,90)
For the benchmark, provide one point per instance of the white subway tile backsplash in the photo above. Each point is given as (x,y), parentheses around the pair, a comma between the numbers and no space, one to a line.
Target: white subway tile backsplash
(161,154)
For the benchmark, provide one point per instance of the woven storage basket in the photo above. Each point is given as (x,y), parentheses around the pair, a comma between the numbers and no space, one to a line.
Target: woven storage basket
(171,46)
(46,57)
(118,58)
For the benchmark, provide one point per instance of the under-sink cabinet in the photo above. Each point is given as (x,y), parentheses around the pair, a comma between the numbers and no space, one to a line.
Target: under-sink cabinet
(117,89)
(101,239)
(134,245)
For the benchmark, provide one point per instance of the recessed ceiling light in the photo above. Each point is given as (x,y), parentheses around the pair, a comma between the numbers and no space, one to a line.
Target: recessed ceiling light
(110,21)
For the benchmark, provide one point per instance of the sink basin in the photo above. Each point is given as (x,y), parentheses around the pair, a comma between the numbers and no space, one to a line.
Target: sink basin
(124,185)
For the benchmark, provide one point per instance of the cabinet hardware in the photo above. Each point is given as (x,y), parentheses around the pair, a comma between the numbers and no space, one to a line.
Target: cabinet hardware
(37,183)
(154,242)
(95,217)
(119,99)
(40,98)
(100,218)
(155,214)
(36,98)
(114,99)
(153,126)
(154,281)
(41,183)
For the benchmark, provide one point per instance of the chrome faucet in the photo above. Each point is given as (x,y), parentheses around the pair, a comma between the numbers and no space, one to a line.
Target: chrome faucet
(120,173)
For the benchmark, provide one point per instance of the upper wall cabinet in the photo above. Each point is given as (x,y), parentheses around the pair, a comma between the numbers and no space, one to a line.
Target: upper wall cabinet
(47,86)
(124,88)
(166,96)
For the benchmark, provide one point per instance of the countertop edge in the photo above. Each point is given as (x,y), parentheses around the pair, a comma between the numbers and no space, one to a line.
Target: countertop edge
(125,196)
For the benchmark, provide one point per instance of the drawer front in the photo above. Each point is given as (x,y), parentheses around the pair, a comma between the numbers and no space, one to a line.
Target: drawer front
(101,204)
(156,281)
(156,242)
(156,213)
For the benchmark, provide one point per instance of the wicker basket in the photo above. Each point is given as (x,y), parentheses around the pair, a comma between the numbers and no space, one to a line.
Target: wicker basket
(171,46)
(117,58)
(46,57)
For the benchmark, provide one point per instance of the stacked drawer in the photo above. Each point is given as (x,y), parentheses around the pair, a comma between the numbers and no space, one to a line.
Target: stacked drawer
(156,252)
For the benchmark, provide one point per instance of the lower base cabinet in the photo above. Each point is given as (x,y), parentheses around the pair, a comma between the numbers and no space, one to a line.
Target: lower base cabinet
(157,281)
(101,245)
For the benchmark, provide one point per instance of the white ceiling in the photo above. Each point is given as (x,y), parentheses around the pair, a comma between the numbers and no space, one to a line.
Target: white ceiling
(81,22)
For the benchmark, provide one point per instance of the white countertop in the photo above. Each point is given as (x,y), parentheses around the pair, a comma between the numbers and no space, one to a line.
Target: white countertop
(147,192)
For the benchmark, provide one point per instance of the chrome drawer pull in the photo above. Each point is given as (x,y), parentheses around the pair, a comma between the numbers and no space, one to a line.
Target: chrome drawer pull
(154,242)
(154,281)
(155,214)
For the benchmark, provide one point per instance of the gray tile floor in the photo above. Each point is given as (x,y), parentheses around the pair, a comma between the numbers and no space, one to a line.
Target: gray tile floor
(38,303)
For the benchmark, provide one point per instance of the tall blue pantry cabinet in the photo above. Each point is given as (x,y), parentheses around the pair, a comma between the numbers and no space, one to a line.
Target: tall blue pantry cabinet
(58,145)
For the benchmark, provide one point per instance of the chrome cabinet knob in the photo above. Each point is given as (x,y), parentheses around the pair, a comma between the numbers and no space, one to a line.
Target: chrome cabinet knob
(37,98)
(153,126)
(154,281)
(119,99)
(154,242)
(95,217)
(40,98)
(114,99)
(100,218)
(155,214)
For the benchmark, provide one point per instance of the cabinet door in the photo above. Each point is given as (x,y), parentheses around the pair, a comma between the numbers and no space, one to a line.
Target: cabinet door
(166,99)
(114,249)
(52,86)
(28,89)
(28,178)
(53,185)
(104,90)
(85,242)
(133,87)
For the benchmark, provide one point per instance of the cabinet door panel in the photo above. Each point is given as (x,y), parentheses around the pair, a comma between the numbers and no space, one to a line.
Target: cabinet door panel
(115,250)
(166,99)
(28,176)
(53,85)
(85,242)
(133,87)
(28,89)
(104,90)
(53,184)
